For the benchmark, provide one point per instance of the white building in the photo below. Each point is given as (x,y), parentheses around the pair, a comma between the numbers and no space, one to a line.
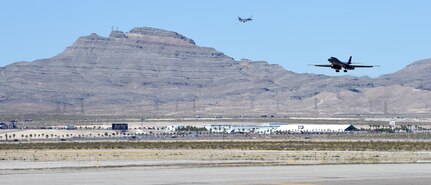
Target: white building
(139,132)
(230,128)
(392,124)
(315,128)
(265,128)
(173,128)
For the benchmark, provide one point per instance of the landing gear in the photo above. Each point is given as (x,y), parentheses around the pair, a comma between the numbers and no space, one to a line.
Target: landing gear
(345,70)
(337,70)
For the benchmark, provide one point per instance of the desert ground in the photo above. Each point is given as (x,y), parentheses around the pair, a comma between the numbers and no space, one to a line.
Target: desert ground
(165,173)
(215,162)
(223,156)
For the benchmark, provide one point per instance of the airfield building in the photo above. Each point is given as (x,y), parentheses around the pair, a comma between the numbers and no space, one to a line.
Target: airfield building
(315,128)
(265,128)
(120,126)
(11,125)
(3,126)
(269,128)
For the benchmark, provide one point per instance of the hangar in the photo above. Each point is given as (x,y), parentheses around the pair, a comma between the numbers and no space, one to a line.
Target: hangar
(265,128)
(316,128)
(281,127)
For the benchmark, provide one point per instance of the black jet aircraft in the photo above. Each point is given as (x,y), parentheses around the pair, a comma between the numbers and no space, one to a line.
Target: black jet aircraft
(338,65)
(244,20)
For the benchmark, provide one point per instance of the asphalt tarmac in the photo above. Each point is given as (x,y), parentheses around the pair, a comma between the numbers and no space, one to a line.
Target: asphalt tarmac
(106,173)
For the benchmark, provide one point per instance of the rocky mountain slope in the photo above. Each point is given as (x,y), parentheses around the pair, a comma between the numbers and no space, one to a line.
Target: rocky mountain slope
(416,75)
(154,71)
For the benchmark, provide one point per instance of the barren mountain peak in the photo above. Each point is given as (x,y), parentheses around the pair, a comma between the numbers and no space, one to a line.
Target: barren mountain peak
(147,31)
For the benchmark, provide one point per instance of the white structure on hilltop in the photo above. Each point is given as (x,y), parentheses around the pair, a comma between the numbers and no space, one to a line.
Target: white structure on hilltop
(315,128)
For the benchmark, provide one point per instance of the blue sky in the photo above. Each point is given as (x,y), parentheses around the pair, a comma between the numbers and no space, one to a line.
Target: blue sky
(389,33)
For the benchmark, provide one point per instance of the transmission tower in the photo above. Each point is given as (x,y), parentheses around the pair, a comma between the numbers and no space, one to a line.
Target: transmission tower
(57,107)
(64,106)
(277,99)
(252,103)
(156,104)
(370,103)
(385,108)
(82,104)
(194,105)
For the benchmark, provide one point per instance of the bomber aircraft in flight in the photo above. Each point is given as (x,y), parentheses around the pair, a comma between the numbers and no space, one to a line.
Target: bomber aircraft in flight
(339,65)
(244,20)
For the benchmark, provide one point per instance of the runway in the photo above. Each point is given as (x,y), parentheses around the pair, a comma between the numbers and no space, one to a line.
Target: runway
(104,174)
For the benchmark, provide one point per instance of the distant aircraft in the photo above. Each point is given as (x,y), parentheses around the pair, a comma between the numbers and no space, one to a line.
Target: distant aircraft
(338,65)
(244,20)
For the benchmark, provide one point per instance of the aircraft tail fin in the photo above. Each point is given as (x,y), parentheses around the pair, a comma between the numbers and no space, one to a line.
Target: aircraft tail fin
(350,60)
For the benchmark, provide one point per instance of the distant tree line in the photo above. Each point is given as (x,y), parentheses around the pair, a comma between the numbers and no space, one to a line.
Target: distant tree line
(192,128)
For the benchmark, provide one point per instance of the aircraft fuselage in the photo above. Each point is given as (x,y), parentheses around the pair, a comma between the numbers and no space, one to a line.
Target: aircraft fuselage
(244,20)
(338,65)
